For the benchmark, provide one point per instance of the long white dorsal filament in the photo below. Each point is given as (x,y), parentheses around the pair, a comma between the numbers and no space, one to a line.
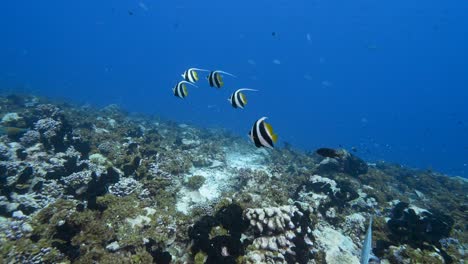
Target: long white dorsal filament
(226,73)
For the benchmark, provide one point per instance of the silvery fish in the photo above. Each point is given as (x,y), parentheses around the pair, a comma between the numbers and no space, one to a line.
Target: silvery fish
(366,254)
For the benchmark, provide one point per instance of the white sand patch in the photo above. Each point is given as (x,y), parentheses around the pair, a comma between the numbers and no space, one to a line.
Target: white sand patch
(216,180)
(338,247)
(220,176)
(238,160)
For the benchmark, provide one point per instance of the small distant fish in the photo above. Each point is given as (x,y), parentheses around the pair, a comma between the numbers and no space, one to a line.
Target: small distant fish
(366,253)
(130,13)
(143,6)
(238,99)
(262,134)
(191,75)
(12,132)
(276,61)
(328,153)
(273,34)
(180,90)
(326,84)
(215,78)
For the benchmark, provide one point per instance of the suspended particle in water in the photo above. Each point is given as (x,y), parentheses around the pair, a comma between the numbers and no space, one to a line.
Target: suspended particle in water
(251,62)
(276,61)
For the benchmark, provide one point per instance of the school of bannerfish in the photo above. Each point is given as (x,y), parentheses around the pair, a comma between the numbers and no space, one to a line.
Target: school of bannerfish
(261,133)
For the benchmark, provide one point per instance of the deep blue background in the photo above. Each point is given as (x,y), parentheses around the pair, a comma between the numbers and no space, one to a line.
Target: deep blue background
(387,77)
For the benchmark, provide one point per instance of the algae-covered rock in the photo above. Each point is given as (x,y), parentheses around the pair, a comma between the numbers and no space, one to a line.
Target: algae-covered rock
(195,182)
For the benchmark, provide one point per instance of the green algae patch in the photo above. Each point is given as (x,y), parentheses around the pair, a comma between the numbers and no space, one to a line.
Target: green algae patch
(122,219)
(195,182)
(218,231)
(200,258)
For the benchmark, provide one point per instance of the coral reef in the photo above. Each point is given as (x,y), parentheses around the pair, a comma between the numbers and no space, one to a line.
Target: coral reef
(281,234)
(85,185)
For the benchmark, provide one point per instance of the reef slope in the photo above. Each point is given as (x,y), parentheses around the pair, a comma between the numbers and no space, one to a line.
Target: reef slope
(86,185)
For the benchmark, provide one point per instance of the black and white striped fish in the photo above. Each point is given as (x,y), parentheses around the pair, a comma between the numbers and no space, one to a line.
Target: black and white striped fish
(215,78)
(238,99)
(191,75)
(180,89)
(262,134)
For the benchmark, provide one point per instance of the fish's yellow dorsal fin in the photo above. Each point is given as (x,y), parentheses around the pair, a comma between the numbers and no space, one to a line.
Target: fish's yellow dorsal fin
(269,129)
(243,98)
(220,80)
(274,137)
(195,74)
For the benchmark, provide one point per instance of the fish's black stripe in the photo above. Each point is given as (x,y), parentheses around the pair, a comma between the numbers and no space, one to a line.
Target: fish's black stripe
(179,90)
(182,90)
(186,76)
(255,136)
(218,84)
(239,98)
(192,75)
(210,79)
(176,91)
(233,102)
(264,134)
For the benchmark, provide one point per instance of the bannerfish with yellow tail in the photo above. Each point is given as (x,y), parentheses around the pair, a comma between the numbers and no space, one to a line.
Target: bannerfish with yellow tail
(180,90)
(216,80)
(238,99)
(191,75)
(262,134)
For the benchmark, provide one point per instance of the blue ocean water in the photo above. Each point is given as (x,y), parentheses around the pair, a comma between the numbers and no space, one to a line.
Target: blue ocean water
(388,78)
